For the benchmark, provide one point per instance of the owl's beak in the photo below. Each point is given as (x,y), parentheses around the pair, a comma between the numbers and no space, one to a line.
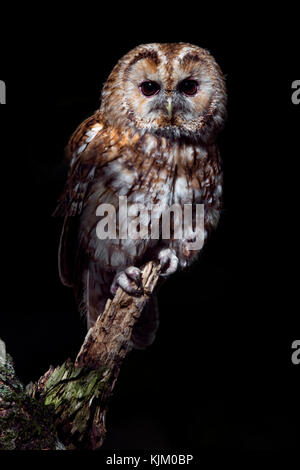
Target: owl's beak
(169,107)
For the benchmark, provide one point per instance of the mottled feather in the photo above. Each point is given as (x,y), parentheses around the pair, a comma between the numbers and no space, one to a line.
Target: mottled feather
(156,150)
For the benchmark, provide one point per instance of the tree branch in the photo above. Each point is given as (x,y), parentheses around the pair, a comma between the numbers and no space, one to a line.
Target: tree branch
(78,394)
(25,423)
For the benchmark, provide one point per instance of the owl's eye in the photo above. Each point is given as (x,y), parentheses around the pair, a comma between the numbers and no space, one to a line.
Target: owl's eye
(188,87)
(149,88)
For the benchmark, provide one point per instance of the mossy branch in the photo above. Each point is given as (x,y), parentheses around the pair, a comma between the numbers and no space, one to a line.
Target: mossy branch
(73,397)
(25,423)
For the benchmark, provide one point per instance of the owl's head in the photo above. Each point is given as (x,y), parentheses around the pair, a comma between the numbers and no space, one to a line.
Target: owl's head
(176,90)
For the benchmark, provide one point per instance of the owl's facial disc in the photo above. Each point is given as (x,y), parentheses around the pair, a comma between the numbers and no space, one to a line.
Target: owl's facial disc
(172,89)
(171,99)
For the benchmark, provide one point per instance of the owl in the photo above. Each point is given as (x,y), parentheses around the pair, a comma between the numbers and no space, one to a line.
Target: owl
(153,142)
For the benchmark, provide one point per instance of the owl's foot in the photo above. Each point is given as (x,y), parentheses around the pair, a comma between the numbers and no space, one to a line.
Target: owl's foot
(168,261)
(130,280)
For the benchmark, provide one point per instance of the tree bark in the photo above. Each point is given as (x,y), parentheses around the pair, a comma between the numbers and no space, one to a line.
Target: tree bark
(25,423)
(74,396)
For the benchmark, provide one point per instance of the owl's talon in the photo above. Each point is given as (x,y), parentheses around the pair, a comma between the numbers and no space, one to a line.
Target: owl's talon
(130,280)
(168,261)
(134,274)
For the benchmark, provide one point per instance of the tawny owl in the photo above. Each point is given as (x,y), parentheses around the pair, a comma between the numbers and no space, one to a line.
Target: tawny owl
(153,141)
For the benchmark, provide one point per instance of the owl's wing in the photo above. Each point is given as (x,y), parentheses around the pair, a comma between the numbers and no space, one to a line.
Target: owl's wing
(84,156)
(70,202)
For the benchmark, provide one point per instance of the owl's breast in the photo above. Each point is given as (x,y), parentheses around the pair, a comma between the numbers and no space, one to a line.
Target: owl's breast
(157,171)
(156,176)
(167,172)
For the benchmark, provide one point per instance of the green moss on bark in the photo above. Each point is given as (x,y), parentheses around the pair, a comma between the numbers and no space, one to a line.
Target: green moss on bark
(73,393)
(25,423)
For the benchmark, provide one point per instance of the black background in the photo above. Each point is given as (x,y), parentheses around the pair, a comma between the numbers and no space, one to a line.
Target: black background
(219,375)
